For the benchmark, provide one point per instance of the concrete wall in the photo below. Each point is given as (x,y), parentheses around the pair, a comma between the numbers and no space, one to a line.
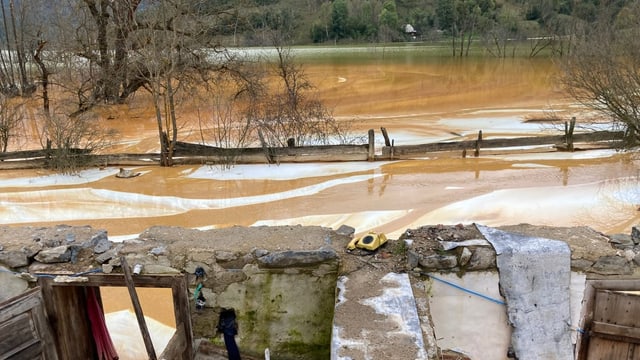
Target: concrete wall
(288,310)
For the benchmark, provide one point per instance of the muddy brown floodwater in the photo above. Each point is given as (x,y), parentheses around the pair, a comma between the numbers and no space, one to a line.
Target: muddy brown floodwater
(417,102)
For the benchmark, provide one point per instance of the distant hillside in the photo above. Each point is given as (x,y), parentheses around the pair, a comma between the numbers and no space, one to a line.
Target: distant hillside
(366,21)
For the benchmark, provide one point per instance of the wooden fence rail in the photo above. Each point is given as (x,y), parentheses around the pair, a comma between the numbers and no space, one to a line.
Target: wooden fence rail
(196,154)
(606,139)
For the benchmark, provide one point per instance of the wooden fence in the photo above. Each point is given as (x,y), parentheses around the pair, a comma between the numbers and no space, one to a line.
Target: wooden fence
(196,154)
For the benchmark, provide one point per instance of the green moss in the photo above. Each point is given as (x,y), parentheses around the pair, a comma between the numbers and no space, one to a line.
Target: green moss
(294,334)
(399,248)
(217,341)
(248,320)
(306,351)
(266,308)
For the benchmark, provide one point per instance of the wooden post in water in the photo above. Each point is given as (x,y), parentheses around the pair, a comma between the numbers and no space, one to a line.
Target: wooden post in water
(568,133)
(372,146)
(386,136)
(391,152)
(477,152)
(138,309)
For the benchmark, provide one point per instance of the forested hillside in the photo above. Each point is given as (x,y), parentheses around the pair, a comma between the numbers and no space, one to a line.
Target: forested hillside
(367,21)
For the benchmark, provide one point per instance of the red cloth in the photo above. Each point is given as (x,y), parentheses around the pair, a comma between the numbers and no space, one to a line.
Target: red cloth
(104,345)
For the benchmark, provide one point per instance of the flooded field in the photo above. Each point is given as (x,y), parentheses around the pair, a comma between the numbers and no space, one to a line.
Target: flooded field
(418,100)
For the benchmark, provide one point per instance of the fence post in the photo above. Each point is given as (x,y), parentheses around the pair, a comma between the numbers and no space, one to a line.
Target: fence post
(568,133)
(386,136)
(372,146)
(477,152)
(392,148)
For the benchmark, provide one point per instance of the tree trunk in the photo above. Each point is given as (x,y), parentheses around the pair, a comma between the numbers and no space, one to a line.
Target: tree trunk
(19,49)
(125,23)
(44,79)
(174,122)
(8,72)
(453,40)
(164,151)
(468,43)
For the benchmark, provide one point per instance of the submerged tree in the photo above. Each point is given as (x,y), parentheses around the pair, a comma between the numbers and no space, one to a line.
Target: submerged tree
(68,138)
(11,116)
(179,55)
(15,79)
(228,119)
(603,71)
(102,33)
(291,109)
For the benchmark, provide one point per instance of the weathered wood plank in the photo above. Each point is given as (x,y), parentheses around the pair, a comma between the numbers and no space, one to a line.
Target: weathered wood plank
(146,337)
(597,136)
(612,330)
(118,280)
(18,333)
(605,349)
(182,313)
(616,308)
(24,328)
(66,310)
(27,351)
(616,332)
(19,304)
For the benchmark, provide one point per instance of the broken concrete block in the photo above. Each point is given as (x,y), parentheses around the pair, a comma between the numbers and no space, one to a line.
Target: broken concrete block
(54,255)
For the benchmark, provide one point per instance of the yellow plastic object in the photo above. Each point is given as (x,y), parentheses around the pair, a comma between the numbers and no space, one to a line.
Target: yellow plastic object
(370,241)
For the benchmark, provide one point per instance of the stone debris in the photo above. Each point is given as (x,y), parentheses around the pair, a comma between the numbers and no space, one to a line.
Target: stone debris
(231,256)
(58,254)
(126,174)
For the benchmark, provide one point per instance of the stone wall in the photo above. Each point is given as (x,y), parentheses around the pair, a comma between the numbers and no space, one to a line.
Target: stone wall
(468,293)
(461,249)
(280,281)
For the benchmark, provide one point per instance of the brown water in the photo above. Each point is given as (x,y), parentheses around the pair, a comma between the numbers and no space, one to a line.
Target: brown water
(409,96)
(428,99)
(155,302)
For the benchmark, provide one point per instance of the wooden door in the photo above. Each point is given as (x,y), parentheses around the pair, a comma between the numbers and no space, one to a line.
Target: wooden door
(614,332)
(24,328)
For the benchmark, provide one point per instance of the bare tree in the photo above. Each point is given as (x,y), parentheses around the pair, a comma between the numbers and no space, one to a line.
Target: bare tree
(603,72)
(15,79)
(104,32)
(11,116)
(292,109)
(231,109)
(67,139)
(179,55)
